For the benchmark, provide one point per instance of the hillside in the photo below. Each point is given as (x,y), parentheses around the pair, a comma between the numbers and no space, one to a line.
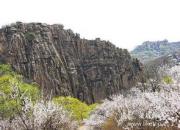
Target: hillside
(64,64)
(151,50)
(171,60)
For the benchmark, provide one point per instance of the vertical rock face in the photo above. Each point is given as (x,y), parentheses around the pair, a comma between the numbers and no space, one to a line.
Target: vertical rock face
(63,64)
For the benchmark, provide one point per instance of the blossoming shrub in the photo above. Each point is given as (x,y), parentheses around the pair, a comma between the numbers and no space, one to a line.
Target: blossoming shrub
(40,116)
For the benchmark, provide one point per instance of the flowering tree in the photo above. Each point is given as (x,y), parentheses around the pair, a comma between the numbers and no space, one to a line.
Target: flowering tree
(139,109)
(22,109)
(41,115)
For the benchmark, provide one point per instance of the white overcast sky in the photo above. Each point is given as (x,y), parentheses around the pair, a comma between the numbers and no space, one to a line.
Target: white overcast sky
(126,23)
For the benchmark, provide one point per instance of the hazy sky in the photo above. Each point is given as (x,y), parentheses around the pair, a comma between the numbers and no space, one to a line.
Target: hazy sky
(125,23)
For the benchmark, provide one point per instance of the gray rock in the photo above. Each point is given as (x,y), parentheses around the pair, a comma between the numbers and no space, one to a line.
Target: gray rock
(63,64)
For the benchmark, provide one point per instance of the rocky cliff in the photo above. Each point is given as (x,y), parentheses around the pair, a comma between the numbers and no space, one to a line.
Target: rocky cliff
(64,64)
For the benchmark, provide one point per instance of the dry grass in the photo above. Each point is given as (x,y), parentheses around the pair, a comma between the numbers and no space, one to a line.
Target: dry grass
(110,124)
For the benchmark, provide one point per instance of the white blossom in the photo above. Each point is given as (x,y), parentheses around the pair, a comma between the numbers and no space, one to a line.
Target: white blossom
(161,107)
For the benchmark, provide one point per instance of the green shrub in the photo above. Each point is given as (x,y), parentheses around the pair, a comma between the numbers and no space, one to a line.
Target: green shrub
(12,92)
(5,68)
(167,79)
(78,109)
(30,36)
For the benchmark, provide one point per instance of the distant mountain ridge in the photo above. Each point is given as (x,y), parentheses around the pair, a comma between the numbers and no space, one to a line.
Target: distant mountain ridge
(151,50)
(169,60)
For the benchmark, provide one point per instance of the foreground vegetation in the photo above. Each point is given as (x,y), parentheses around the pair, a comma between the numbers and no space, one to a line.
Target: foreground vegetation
(152,105)
(23,107)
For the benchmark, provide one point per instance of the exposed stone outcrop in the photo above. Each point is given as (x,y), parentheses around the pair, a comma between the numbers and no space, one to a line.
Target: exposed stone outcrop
(64,64)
